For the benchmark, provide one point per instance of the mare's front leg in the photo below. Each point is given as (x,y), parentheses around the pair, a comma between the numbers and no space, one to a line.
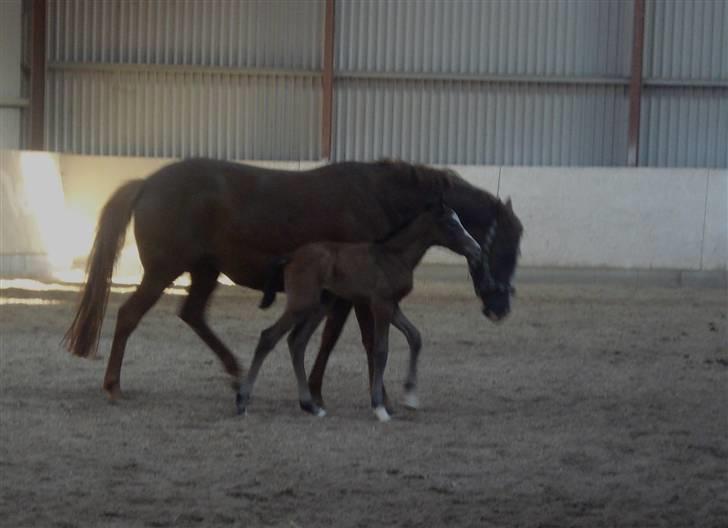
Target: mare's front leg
(366,328)
(414,340)
(267,342)
(382,313)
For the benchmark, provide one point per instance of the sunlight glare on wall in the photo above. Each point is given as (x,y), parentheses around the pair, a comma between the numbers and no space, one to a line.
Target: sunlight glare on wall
(64,234)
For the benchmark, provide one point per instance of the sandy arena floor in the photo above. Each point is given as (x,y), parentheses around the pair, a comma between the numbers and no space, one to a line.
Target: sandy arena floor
(591,406)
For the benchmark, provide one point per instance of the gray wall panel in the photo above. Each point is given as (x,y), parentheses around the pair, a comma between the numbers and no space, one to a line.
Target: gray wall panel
(253,33)
(153,111)
(164,114)
(525,37)
(10,79)
(686,39)
(684,127)
(481,123)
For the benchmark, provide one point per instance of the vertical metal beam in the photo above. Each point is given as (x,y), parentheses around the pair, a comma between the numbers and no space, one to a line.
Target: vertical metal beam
(328,81)
(635,84)
(38,20)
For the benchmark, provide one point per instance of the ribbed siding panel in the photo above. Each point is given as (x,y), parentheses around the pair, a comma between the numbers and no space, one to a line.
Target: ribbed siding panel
(524,37)
(684,127)
(184,114)
(481,123)
(686,39)
(230,33)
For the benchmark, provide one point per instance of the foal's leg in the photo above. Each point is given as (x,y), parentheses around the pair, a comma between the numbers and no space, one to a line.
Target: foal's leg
(366,327)
(267,342)
(414,340)
(335,321)
(130,313)
(297,341)
(382,314)
(204,282)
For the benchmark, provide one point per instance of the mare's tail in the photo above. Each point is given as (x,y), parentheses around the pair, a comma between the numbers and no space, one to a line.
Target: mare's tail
(83,336)
(273,281)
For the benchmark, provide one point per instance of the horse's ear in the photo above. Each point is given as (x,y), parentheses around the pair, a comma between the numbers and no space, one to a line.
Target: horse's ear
(509,205)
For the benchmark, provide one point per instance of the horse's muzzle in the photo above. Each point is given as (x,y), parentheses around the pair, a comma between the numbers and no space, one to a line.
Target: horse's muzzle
(494,317)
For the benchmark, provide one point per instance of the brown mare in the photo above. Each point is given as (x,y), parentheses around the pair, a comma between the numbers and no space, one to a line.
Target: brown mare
(208,217)
(378,275)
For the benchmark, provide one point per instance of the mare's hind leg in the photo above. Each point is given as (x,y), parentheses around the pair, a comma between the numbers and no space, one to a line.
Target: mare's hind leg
(267,342)
(130,313)
(297,341)
(335,321)
(366,327)
(203,283)
(414,340)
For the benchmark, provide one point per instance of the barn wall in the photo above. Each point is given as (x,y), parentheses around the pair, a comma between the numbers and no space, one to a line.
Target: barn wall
(10,82)
(586,218)
(443,81)
(685,98)
(185,78)
(499,82)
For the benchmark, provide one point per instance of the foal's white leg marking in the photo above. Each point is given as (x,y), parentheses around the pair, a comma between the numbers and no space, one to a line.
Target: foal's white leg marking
(321,412)
(382,414)
(411,401)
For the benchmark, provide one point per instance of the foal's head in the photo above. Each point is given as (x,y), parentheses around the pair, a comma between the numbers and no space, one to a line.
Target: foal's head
(445,229)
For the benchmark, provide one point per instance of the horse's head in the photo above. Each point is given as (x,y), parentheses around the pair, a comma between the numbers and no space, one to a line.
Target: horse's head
(493,270)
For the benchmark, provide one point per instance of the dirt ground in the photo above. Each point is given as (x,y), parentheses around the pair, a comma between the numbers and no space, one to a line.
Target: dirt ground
(593,405)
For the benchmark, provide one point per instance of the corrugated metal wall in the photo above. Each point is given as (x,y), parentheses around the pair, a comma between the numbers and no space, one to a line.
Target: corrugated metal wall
(481,123)
(248,34)
(524,37)
(530,82)
(686,46)
(178,114)
(10,78)
(475,107)
(178,78)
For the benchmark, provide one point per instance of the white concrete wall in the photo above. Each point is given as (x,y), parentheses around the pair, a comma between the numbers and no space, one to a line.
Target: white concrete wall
(621,218)
(573,217)
(10,43)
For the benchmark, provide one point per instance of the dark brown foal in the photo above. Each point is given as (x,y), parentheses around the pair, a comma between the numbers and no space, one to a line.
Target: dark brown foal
(378,275)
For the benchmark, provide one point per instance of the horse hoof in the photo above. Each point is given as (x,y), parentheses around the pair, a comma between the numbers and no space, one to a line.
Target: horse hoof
(312,408)
(318,400)
(241,404)
(382,414)
(411,401)
(113,392)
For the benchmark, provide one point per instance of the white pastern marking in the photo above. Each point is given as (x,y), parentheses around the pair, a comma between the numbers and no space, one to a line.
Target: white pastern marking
(411,401)
(382,414)
(321,413)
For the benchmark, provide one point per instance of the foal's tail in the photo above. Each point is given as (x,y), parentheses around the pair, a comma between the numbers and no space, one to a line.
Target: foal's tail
(273,281)
(83,336)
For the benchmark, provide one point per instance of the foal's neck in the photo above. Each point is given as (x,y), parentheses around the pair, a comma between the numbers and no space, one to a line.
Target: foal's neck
(411,243)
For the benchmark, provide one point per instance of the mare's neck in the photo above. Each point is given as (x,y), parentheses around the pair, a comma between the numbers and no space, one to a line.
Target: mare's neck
(410,244)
